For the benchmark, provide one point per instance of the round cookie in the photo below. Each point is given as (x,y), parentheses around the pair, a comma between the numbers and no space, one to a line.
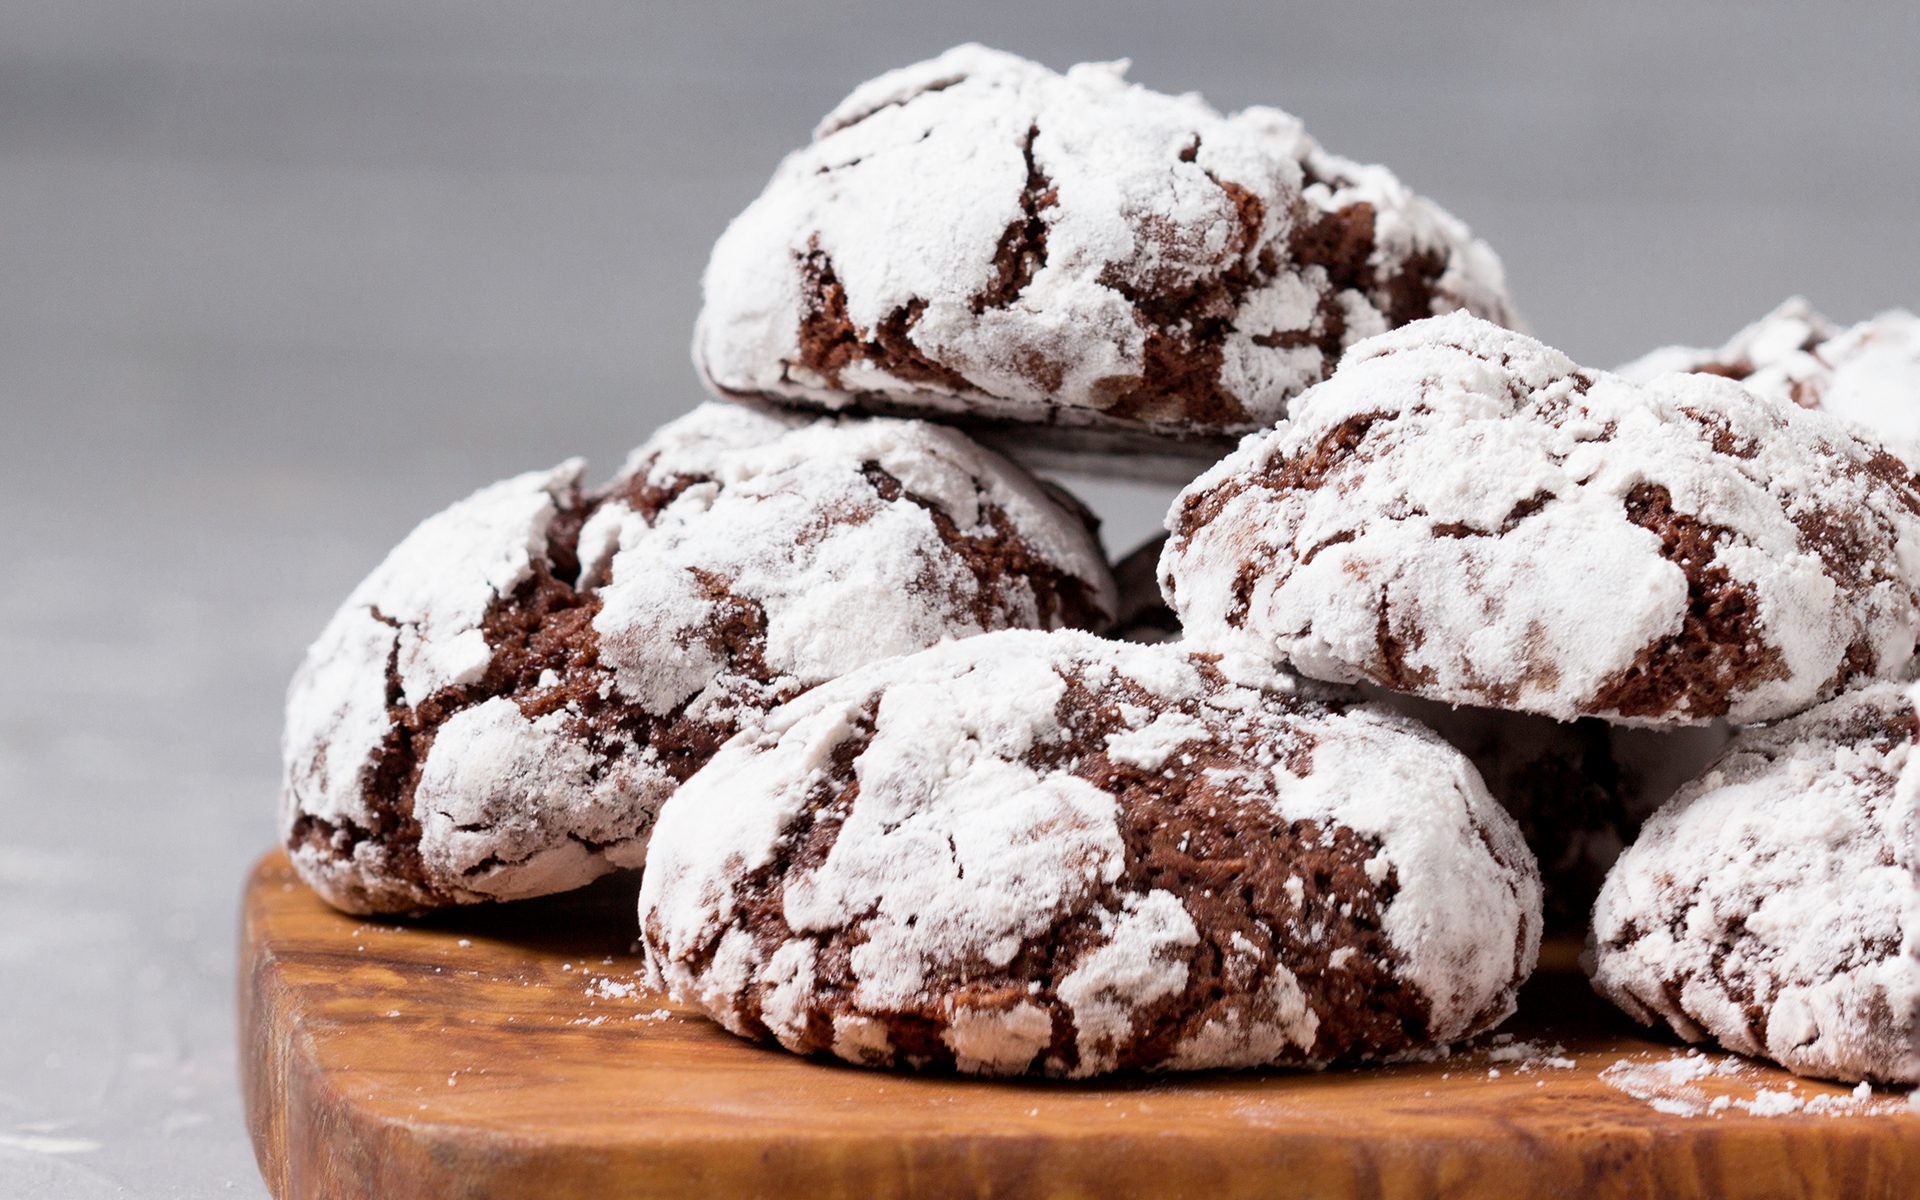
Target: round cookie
(1462,513)
(1053,853)
(976,238)
(1869,374)
(1772,905)
(500,708)
(1778,344)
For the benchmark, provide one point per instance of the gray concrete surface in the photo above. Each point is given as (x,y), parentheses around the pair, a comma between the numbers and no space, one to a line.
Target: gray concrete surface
(283,278)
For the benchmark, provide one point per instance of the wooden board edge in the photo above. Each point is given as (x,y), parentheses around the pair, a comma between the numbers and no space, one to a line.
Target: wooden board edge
(313,1141)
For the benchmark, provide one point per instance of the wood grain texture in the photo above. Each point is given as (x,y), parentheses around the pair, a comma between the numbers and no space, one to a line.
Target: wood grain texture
(502,1052)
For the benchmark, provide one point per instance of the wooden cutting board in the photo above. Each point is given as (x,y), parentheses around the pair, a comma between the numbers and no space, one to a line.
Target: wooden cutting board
(505,1052)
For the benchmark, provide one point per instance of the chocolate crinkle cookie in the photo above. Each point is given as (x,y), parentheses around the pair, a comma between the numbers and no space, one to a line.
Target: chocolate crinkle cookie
(1869,374)
(1777,347)
(1462,513)
(1056,854)
(978,238)
(1772,905)
(500,708)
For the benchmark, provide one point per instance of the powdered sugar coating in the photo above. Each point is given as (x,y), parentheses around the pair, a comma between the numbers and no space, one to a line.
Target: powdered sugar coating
(413,627)
(942,859)
(1772,904)
(500,708)
(1868,374)
(1871,376)
(1781,341)
(882,581)
(977,237)
(1462,513)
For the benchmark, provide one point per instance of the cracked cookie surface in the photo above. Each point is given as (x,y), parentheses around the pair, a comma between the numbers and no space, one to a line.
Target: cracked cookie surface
(1056,854)
(1772,904)
(980,239)
(1462,513)
(499,709)
(1869,373)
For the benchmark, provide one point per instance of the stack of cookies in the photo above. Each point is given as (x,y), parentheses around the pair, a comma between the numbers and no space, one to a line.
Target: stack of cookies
(918,779)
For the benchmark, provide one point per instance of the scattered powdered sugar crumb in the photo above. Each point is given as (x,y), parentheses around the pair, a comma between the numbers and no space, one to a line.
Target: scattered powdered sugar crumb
(1531,1056)
(1771,1104)
(1518,1057)
(1696,1083)
(607,987)
(613,989)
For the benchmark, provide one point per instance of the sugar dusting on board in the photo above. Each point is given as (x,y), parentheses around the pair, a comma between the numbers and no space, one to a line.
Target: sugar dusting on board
(1695,1083)
(631,1000)
(1527,1057)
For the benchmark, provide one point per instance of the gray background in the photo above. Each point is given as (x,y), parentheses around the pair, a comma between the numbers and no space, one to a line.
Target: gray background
(282,279)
